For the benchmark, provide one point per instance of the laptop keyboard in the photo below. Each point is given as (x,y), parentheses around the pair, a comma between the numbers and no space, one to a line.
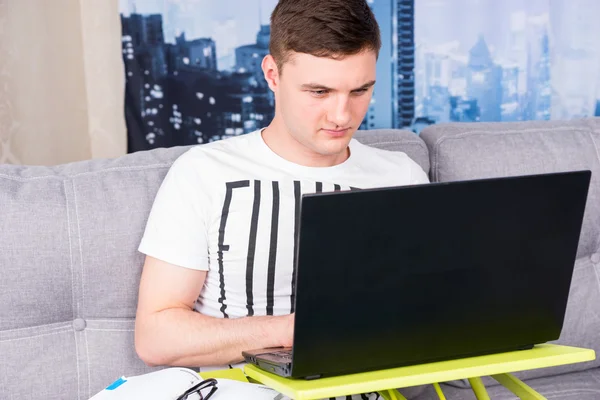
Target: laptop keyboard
(284,354)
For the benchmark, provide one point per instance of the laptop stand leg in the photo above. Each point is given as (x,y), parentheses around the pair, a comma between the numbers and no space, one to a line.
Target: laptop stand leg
(438,390)
(392,394)
(479,389)
(518,387)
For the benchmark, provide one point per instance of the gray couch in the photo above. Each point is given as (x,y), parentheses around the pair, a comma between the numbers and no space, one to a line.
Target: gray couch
(69,267)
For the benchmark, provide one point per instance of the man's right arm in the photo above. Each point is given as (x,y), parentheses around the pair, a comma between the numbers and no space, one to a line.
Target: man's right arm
(169,332)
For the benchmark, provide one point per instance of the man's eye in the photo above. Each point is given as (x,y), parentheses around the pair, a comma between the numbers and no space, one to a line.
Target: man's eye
(360,91)
(318,93)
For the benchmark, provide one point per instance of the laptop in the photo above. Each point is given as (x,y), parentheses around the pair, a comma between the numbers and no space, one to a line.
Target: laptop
(408,275)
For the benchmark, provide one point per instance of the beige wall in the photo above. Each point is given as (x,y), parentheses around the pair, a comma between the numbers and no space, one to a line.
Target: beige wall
(61,81)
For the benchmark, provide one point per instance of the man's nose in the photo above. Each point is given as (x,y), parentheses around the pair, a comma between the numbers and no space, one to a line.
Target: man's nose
(340,114)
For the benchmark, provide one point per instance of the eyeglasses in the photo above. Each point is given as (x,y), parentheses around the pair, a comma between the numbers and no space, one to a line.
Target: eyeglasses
(199,387)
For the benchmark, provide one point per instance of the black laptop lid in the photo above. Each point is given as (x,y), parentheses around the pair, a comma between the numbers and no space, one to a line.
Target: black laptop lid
(408,275)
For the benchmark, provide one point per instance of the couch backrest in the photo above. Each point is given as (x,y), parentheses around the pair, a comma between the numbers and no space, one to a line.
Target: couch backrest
(485,150)
(70,269)
(68,237)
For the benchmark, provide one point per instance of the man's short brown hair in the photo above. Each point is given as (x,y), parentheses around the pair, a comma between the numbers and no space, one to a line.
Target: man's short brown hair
(322,28)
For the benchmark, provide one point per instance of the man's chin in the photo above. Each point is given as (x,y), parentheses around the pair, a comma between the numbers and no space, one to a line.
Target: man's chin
(334,147)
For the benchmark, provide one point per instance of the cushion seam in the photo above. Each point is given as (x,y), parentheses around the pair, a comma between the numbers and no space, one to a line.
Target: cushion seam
(35,336)
(66,177)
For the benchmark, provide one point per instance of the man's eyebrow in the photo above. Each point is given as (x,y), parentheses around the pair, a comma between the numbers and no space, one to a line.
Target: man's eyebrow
(318,86)
(366,85)
(314,86)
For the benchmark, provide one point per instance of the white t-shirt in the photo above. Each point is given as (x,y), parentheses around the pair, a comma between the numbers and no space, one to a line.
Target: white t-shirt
(230,208)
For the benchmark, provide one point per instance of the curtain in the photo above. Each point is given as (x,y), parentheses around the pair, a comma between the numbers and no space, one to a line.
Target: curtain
(61,81)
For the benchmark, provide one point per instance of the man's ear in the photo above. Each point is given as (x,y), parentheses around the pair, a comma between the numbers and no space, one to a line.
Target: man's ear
(271,72)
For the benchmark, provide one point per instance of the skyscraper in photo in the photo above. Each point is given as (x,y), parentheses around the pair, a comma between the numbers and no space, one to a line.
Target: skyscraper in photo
(144,29)
(574,31)
(145,39)
(380,112)
(404,63)
(484,81)
(199,53)
(248,58)
(542,102)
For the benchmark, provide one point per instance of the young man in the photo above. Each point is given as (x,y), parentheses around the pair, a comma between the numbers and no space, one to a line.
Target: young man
(219,273)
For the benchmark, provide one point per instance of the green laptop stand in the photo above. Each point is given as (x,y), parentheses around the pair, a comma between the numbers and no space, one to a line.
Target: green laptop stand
(498,366)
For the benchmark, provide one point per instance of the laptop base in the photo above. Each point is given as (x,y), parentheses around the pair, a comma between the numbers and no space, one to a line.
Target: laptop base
(275,360)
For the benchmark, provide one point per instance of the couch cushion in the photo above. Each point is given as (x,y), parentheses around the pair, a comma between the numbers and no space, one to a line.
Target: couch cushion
(35,261)
(483,150)
(396,140)
(70,267)
(486,150)
(70,272)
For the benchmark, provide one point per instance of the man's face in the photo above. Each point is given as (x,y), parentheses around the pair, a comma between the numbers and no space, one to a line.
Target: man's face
(323,101)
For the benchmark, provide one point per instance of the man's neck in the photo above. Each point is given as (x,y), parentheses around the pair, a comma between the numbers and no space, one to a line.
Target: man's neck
(285,146)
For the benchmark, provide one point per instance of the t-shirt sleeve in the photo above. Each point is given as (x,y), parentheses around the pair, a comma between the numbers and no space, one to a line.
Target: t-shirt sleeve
(176,231)
(417,175)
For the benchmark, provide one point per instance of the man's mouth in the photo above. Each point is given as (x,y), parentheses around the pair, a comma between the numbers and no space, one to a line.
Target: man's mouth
(337,132)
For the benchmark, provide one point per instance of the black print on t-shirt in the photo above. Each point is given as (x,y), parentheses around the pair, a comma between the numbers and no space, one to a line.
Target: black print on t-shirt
(230,186)
(252,239)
